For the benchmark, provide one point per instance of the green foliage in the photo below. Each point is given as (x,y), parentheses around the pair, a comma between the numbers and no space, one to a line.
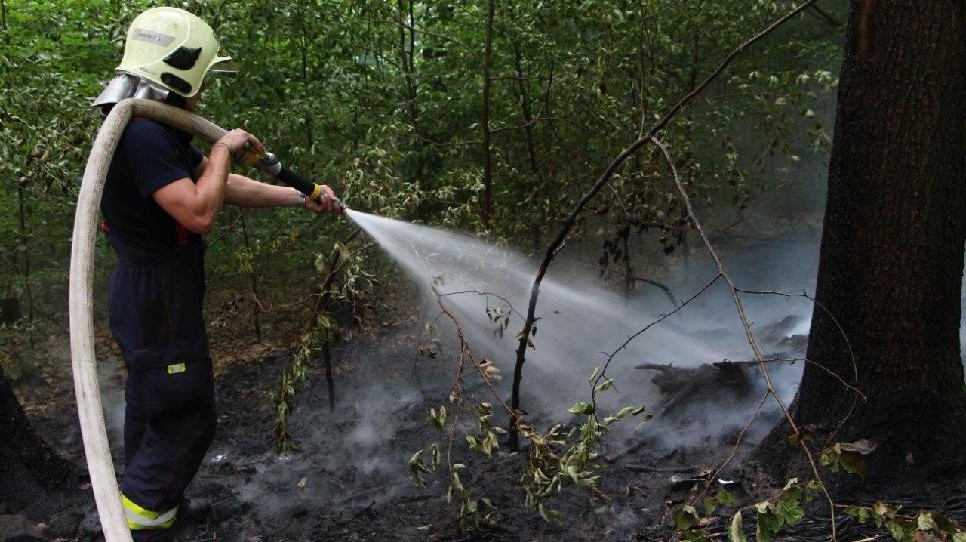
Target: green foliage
(382,101)
(561,456)
(556,459)
(689,522)
(341,281)
(473,511)
(925,525)
(48,60)
(786,510)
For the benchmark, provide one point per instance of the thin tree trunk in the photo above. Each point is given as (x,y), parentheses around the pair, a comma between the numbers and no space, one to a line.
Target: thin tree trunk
(525,108)
(486,207)
(24,241)
(252,278)
(303,42)
(407,52)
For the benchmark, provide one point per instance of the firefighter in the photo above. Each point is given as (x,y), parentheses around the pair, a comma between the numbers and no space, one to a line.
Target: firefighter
(160,197)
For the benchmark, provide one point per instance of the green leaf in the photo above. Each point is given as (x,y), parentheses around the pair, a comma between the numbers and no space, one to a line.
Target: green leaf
(710,504)
(455,481)
(860,513)
(685,518)
(790,512)
(768,522)
(897,530)
(725,497)
(582,408)
(605,386)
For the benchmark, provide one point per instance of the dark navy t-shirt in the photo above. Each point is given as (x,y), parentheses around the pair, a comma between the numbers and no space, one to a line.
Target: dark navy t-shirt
(150,155)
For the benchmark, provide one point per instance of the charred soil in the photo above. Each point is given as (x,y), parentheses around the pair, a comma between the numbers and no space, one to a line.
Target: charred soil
(347,477)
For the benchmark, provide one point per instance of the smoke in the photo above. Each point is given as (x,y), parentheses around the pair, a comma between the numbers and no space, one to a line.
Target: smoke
(357,454)
(345,457)
(583,325)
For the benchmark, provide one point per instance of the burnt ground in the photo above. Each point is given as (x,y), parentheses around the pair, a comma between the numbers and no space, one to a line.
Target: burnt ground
(348,478)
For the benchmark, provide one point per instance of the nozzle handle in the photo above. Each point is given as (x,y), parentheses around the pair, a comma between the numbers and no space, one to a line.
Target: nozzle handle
(305,186)
(269,164)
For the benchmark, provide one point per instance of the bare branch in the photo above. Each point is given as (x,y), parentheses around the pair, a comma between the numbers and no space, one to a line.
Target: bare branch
(605,177)
(739,306)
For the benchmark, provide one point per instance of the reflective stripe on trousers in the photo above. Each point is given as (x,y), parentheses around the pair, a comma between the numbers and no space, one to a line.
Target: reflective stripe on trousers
(139,518)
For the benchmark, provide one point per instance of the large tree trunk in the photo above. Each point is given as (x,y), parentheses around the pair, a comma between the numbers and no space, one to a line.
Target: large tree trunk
(29,468)
(891,260)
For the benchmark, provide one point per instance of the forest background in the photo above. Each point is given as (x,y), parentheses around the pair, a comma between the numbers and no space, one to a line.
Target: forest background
(420,111)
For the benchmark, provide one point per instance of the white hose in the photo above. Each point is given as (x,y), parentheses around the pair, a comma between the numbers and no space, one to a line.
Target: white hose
(84,364)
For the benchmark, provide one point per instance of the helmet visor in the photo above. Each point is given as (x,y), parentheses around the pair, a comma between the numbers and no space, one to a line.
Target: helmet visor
(222,65)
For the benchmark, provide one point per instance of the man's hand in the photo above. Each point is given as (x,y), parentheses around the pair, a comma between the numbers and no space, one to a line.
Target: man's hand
(327,202)
(239,142)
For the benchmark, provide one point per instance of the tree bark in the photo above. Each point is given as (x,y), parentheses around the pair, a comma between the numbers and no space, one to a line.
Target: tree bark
(891,260)
(27,462)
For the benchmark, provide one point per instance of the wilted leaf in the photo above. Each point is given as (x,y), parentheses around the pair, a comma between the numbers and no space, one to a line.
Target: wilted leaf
(924,522)
(852,463)
(734,529)
(862,447)
(490,371)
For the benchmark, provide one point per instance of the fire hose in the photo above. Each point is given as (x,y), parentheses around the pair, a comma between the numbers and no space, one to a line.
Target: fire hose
(83,362)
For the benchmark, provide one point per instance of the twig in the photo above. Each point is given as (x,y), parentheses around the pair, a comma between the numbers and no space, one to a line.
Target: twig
(739,306)
(465,350)
(662,287)
(848,345)
(484,294)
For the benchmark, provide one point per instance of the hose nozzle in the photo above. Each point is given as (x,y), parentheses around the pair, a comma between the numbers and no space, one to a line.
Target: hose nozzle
(269,163)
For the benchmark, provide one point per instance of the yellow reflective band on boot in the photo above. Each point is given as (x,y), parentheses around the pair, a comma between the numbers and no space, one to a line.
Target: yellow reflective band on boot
(176,368)
(139,518)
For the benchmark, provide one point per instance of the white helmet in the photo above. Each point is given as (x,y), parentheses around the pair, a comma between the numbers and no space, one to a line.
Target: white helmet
(172,48)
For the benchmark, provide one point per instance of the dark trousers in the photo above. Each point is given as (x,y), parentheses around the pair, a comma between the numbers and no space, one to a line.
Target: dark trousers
(155,305)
